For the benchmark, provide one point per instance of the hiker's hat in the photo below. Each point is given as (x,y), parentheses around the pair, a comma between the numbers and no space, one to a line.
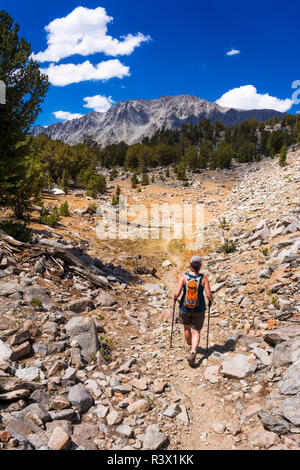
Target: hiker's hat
(196,259)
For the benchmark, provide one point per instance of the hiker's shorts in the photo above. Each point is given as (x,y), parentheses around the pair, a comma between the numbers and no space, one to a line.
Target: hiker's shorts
(193,319)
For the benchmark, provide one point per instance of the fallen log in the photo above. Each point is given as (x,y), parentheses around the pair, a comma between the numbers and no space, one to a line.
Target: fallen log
(27,252)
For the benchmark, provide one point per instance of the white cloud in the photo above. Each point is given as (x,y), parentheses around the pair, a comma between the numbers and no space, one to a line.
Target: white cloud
(84,32)
(66,116)
(233,52)
(246,97)
(64,74)
(99,103)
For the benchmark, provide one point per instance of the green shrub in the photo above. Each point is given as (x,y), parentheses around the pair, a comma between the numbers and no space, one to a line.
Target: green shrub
(92,208)
(18,231)
(37,303)
(50,219)
(64,210)
(106,345)
(145,179)
(275,302)
(228,247)
(224,225)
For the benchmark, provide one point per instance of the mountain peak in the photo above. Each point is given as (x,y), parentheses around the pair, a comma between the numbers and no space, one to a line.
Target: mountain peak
(130,121)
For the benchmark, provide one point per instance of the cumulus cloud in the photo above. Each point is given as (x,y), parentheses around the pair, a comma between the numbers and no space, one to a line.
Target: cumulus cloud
(99,103)
(84,32)
(233,52)
(246,97)
(64,74)
(66,116)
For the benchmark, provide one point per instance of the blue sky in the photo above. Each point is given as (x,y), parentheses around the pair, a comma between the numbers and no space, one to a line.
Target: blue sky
(185,47)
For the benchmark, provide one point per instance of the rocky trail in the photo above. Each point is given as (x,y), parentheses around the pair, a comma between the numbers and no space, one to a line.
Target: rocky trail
(84,366)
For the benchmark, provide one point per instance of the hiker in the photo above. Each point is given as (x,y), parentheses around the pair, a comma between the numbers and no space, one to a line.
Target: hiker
(192,304)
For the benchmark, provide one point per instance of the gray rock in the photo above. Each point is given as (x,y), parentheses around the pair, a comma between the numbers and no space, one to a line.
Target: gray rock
(101,411)
(274,423)
(290,382)
(124,430)
(81,398)
(38,293)
(62,415)
(81,305)
(238,366)
(153,288)
(5,352)
(154,438)
(291,410)
(21,427)
(35,409)
(183,417)
(40,397)
(172,411)
(286,353)
(84,435)
(274,337)
(266,273)
(28,373)
(105,299)
(83,331)
(263,356)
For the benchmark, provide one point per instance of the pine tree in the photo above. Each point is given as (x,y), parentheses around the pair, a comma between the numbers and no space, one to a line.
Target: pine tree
(26,87)
(283,154)
(145,179)
(134,180)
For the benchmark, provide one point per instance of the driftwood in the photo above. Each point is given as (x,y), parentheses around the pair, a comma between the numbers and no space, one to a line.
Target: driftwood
(53,258)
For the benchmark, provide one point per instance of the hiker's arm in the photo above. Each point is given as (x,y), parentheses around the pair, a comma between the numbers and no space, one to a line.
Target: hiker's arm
(179,287)
(206,286)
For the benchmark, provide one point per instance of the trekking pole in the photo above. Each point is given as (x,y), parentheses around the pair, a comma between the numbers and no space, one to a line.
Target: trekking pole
(209,305)
(173,319)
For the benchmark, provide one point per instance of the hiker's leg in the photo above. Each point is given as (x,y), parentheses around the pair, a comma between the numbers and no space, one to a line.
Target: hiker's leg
(195,339)
(188,334)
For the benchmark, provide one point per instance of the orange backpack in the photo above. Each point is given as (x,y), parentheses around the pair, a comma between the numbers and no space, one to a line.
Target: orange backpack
(191,299)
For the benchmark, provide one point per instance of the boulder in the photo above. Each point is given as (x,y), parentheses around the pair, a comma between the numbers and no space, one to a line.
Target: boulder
(38,293)
(84,435)
(239,366)
(59,439)
(274,337)
(286,353)
(291,410)
(154,438)
(105,299)
(35,409)
(80,397)
(20,428)
(82,330)
(290,382)
(81,305)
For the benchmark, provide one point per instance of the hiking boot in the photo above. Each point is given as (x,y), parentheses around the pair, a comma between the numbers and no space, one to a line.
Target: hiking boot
(191,358)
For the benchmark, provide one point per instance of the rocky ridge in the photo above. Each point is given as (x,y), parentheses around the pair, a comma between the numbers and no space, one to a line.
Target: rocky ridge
(131,121)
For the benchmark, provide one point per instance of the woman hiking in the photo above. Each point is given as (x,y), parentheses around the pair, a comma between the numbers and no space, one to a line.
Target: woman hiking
(192,304)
